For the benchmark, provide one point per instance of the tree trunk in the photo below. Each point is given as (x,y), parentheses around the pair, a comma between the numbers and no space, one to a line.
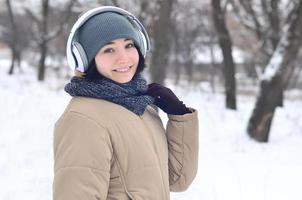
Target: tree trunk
(162,30)
(14,37)
(261,120)
(274,35)
(43,53)
(43,44)
(225,44)
(45,36)
(288,47)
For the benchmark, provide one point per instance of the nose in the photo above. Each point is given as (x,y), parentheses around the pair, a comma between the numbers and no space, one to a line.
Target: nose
(122,56)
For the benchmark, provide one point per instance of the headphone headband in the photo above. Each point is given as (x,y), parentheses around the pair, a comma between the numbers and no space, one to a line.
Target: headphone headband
(75,58)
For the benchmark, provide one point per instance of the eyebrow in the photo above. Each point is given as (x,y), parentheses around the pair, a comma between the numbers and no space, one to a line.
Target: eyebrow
(113,42)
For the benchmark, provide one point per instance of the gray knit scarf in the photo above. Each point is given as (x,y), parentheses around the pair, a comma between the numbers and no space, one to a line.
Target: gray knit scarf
(131,95)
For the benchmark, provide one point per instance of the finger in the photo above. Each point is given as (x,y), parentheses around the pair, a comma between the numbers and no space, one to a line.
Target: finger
(151,85)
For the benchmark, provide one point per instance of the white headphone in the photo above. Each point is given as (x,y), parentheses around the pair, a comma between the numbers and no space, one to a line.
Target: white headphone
(76,56)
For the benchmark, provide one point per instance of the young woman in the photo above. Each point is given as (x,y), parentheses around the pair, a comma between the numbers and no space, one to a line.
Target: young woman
(110,142)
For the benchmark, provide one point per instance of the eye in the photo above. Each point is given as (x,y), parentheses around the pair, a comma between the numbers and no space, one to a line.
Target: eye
(130,45)
(108,50)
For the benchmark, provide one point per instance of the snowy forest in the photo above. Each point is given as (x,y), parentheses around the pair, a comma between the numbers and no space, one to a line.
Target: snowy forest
(238,62)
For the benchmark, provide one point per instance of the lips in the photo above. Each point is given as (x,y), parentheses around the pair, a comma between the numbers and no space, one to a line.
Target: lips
(123,69)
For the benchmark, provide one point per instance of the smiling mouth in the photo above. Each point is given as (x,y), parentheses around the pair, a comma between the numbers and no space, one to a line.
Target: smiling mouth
(123,69)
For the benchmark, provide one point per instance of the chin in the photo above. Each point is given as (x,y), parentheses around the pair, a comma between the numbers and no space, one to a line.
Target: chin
(123,80)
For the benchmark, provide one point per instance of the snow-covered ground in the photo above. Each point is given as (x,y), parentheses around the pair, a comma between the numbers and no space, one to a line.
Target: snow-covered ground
(231,165)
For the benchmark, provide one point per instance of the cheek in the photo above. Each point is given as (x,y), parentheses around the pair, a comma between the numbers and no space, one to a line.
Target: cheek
(102,63)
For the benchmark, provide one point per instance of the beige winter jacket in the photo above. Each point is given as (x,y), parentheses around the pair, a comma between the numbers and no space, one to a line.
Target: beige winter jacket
(103,151)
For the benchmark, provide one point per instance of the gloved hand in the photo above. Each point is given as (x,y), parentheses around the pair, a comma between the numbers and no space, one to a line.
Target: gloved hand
(166,100)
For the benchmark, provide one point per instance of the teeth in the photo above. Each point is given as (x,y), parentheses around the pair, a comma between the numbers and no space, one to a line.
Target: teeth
(122,69)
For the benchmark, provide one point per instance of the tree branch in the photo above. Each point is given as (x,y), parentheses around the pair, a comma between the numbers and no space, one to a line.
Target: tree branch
(55,33)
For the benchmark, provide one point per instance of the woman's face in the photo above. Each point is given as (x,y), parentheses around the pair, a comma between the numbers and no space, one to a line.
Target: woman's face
(118,60)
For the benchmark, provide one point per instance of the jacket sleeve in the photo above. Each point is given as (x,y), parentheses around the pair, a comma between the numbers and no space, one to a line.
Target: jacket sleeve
(182,135)
(82,154)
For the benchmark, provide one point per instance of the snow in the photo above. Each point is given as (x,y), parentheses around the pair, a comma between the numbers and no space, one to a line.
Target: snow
(275,64)
(231,165)
(273,67)
(203,55)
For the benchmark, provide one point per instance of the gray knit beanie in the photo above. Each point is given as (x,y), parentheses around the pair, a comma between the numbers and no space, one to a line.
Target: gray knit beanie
(103,28)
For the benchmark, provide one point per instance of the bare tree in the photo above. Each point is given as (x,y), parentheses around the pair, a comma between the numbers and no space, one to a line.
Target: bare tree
(187,37)
(45,36)
(276,77)
(14,32)
(264,21)
(162,32)
(44,39)
(14,41)
(225,44)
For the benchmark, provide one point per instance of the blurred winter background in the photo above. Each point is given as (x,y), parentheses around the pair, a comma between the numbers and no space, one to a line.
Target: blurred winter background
(237,62)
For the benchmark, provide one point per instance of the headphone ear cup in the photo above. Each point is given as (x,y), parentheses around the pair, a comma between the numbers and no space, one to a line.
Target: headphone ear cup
(80,57)
(144,42)
(143,36)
